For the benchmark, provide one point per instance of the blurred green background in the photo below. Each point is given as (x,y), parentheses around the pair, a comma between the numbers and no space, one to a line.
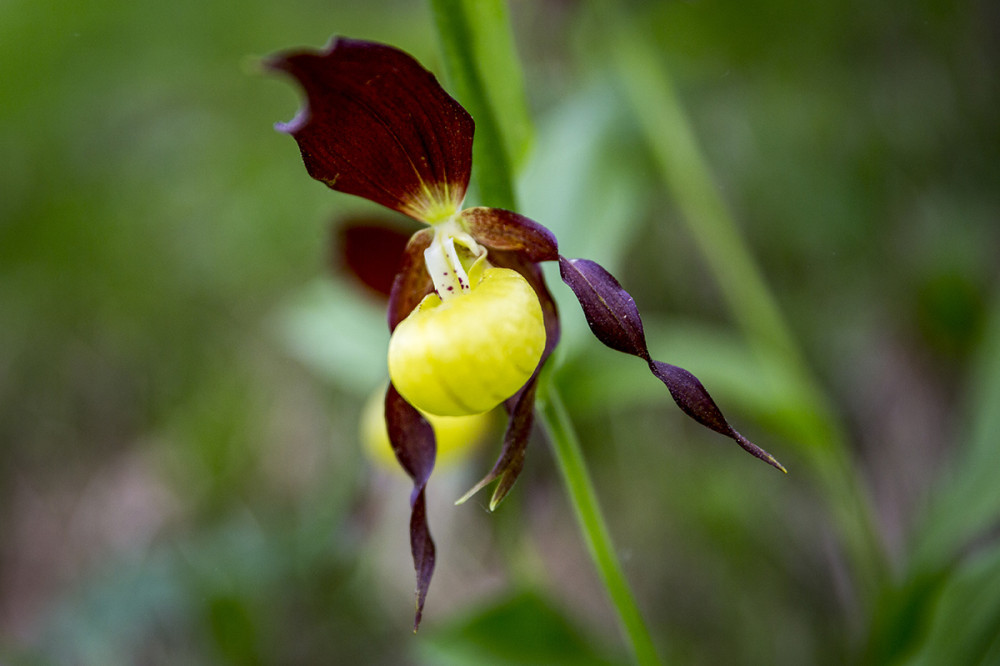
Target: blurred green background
(181,372)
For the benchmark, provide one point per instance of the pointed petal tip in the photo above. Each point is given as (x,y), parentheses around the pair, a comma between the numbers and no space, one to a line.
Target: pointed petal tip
(758,452)
(255,65)
(291,126)
(503,488)
(485,481)
(498,495)
(271,63)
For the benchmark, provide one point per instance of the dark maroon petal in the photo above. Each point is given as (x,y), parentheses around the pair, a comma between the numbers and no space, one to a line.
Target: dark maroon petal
(695,401)
(370,251)
(412,282)
(614,319)
(423,552)
(378,125)
(504,230)
(412,440)
(521,406)
(610,310)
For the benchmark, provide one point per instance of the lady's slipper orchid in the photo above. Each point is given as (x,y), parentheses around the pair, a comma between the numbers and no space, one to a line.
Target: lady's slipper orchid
(472,320)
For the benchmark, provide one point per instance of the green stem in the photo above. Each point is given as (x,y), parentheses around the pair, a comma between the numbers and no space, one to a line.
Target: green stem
(573,469)
(490,158)
(464,25)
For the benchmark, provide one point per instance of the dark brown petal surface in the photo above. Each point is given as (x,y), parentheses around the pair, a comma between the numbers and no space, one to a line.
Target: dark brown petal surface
(412,282)
(370,251)
(614,319)
(378,125)
(504,230)
(412,440)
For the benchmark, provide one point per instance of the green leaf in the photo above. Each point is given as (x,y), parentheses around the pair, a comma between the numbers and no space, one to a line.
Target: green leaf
(583,181)
(965,626)
(524,629)
(902,617)
(969,501)
(485,76)
(496,56)
(686,174)
(337,333)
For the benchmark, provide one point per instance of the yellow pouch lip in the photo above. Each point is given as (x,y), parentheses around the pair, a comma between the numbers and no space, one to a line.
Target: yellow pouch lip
(468,353)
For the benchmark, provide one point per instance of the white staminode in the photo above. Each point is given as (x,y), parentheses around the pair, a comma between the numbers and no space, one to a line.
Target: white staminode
(444,263)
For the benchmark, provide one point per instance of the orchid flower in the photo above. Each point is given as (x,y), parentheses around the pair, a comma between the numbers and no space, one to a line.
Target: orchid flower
(472,320)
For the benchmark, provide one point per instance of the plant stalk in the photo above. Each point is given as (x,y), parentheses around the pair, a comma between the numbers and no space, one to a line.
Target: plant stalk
(463,25)
(573,469)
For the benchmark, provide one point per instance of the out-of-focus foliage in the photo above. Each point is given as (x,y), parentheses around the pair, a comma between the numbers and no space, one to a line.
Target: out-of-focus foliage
(181,374)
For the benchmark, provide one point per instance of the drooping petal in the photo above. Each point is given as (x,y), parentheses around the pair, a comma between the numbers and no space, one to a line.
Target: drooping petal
(504,230)
(508,466)
(456,437)
(614,319)
(412,281)
(370,251)
(378,125)
(412,440)
(520,406)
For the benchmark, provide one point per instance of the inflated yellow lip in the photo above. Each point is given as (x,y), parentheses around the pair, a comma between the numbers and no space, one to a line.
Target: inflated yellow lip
(468,353)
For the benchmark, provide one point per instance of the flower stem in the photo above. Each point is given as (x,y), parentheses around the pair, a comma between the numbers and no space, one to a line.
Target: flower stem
(461,26)
(457,30)
(572,467)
